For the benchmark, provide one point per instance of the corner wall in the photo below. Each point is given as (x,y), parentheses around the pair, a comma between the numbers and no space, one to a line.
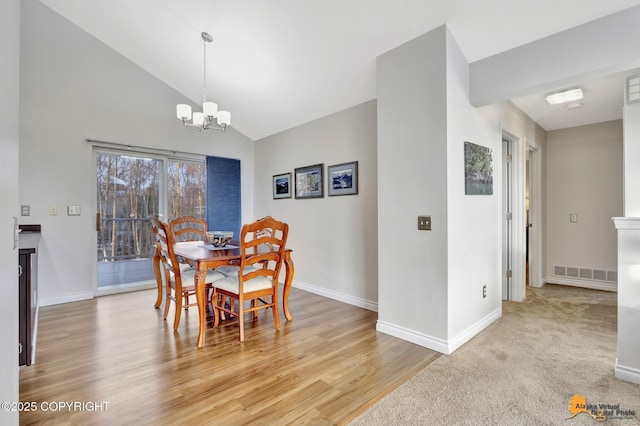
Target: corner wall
(334,239)
(74,87)
(9,84)
(430,290)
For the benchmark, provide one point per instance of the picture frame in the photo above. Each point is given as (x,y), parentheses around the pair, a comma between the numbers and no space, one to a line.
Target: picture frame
(282,186)
(342,179)
(478,169)
(309,181)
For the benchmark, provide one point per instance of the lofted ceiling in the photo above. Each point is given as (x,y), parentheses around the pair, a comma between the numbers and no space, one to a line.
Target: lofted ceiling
(280,63)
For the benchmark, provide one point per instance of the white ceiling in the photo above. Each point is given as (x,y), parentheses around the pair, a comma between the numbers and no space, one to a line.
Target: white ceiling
(280,63)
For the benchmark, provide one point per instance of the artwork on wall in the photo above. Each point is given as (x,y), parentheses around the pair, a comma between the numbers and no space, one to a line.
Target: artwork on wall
(478,170)
(343,179)
(282,186)
(309,181)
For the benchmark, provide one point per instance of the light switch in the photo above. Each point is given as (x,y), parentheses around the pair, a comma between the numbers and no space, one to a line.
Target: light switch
(73,210)
(573,218)
(424,223)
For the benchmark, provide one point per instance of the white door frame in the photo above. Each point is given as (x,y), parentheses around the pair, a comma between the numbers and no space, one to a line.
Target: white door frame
(535,216)
(517,246)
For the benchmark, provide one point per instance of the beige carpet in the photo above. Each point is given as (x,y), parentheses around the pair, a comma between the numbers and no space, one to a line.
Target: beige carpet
(522,370)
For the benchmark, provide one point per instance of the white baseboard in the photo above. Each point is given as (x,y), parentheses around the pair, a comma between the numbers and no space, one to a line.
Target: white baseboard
(85,295)
(627,374)
(476,328)
(435,343)
(341,297)
(421,339)
(576,282)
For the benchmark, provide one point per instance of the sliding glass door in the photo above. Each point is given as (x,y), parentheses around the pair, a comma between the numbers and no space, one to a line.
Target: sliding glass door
(132,188)
(128,195)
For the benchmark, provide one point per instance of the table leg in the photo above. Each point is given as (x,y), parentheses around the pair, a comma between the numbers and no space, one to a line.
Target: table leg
(288,280)
(200,277)
(156,270)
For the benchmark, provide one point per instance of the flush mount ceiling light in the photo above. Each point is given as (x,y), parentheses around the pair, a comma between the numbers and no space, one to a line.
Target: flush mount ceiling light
(569,95)
(204,120)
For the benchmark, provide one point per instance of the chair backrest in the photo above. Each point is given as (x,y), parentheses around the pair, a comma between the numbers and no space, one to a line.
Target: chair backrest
(189,228)
(164,246)
(262,244)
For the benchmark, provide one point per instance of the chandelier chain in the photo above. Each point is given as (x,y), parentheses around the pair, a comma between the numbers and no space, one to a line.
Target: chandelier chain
(204,78)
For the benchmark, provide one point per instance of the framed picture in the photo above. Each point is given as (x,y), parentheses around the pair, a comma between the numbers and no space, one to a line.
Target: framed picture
(309,181)
(343,179)
(478,170)
(282,186)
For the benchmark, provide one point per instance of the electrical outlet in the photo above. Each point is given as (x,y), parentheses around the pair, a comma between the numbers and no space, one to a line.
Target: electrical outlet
(25,210)
(53,210)
(484,291)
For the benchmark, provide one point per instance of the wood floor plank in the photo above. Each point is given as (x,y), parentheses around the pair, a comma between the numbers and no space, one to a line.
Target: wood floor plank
(324,367)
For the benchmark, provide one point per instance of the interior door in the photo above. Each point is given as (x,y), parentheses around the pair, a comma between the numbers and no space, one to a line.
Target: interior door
(507,206)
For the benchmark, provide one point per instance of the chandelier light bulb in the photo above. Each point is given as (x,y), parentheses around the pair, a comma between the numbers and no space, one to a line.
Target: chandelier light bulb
(204,120)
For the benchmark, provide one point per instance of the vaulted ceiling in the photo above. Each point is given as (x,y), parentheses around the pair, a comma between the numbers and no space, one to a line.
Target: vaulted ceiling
(280,63)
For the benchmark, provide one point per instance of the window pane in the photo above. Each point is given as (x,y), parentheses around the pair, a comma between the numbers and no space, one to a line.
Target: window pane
(186,189)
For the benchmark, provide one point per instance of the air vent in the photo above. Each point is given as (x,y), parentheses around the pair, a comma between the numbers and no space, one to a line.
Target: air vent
(573,272)
(599,275)
(633,89)
(586,273)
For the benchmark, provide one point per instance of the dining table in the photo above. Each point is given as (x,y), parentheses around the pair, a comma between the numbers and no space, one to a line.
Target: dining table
(204,256)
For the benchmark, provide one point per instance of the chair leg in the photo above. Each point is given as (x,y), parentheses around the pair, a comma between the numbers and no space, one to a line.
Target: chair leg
(167,301)
(215,302)
(241,318)
(176,321)
(276,317)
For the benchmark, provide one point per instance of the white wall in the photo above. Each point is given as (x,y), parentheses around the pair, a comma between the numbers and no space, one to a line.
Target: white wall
(474,222)
(9,83)
(631,119)
(74,87)
(412,181)
(517,124)
(628,361)
(584,169)
(334,239)
(430,291)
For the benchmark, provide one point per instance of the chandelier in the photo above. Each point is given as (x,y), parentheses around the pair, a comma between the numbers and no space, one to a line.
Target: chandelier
(204,120)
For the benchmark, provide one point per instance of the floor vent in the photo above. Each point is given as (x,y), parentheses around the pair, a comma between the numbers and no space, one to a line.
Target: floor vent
(585,273)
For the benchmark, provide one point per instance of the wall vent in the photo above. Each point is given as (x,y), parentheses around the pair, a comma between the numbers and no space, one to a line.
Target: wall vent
(560,270)
(573,272)
(585,273)
(599,275)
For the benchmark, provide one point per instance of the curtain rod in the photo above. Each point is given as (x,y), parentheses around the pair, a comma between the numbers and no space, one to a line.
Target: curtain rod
(107,144)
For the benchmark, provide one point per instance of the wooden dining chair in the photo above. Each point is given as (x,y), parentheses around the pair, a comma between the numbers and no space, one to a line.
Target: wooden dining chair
(262,245)
(180,281)
(189,228)
(156,260)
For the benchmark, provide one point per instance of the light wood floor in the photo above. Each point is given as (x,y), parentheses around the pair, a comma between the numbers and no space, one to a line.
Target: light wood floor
(324,367)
